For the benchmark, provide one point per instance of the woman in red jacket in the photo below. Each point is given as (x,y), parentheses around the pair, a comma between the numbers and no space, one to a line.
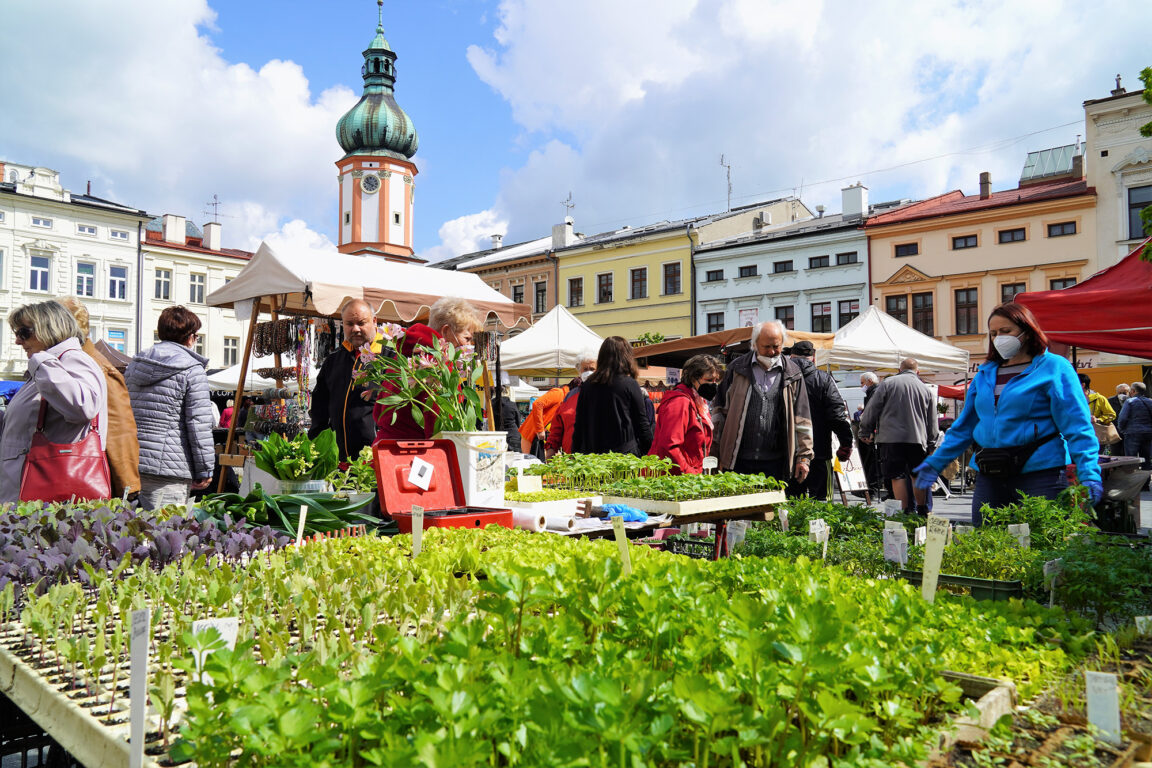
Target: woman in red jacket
(683,423)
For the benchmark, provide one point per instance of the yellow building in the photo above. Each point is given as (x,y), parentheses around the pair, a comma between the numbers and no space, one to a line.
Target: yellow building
(639,280)
(942,265)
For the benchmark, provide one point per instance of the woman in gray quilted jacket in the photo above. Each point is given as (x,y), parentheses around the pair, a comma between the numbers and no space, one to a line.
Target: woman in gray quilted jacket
(169,391)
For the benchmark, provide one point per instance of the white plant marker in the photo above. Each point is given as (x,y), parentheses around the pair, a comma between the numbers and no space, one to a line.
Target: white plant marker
(138,685)
(933,554)
(1053,575)
(892,507)
(1144,625)
(622,544)
(818,532)
(300,525)
(710,463)
(896,544)
(417,529)
(893,524)
(228,628)
(921,535)
(783,512)
(960,530)
(1022,533)
(1104,704)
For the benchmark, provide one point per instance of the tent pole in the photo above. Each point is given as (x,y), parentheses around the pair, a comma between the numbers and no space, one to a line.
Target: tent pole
(240,387)
(1074,357)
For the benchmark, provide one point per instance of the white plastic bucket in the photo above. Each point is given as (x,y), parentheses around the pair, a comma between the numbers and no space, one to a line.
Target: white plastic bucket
(481,458)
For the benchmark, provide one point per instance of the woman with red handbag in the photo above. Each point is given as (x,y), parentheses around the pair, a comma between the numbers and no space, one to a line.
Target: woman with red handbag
(52,441)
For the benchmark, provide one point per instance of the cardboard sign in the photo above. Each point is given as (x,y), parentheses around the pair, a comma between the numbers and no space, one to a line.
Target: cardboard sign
(622,544)
(1022,533)
(529,483)
(138,684)
(417,529)
(1104,704)
(933,554)
(420,475)
(896,545)
(228,628)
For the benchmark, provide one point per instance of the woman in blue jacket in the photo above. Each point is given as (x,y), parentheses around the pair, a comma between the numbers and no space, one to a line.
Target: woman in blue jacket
(1027,400)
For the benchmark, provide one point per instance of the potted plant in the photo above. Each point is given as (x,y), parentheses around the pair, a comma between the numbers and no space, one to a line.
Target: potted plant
(299,465)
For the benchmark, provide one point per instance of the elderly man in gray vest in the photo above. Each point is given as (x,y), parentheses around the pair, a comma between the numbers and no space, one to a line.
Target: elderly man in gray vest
(760,415)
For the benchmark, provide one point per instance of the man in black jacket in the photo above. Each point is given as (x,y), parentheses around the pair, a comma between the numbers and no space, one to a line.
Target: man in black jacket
(829,414)
(336,401)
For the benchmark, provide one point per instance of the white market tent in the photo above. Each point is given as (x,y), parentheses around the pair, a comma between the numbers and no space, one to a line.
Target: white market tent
(878,340)
(550,347)
(229,378)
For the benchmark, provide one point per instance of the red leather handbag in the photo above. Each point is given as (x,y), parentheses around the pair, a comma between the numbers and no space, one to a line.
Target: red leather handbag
(65,471)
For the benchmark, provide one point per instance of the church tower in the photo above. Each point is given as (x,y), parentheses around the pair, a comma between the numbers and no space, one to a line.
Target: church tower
(376,174)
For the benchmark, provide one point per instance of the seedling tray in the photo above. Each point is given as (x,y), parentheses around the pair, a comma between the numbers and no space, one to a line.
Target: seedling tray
(980,589)
(700,506)
(557,507)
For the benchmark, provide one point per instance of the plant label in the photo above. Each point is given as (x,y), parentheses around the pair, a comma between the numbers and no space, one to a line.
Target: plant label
(622,544)
(893,524)
(420,475)
(921,536)
(892,507)
(228,628)
(529,483)
(933,554)
(138,685)
(300,525)
(896,545)
(818,532)
(710,463)
(1104,704)
(1053,575)
(783,519)
(1144,625)
(1022,533)
(960,530)
(417,529)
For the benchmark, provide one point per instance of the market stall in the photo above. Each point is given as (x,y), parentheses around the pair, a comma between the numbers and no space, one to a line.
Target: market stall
(551,347)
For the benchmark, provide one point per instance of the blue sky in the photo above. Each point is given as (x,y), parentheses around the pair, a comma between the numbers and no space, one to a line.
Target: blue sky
(627,105)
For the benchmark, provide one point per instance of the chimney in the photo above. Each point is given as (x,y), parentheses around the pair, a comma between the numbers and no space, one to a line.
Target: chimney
(820,211)
(89,192)
(854,200)
(562,234)
(985,185)
(497,242)
(212,236)
(174,231)
(1078,166)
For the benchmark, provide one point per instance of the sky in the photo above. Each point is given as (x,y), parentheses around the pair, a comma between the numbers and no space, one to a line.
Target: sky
(624,105)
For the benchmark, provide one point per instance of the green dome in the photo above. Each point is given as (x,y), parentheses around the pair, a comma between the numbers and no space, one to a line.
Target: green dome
(377,125)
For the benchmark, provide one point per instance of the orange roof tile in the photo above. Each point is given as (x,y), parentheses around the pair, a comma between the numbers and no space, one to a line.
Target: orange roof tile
(956,202)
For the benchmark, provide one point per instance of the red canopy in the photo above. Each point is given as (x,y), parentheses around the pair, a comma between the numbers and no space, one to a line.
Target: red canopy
(954,392)
(1108,312)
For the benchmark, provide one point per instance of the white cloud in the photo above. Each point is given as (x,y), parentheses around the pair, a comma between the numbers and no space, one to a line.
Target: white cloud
(296,236)
(466,234)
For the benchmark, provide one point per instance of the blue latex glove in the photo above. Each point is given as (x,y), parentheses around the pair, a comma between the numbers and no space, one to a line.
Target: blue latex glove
(630,514)
(1095,491)
(925,476)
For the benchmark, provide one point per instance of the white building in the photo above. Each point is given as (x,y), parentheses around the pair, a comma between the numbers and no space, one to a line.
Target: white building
(183,265)
(811,275)
(56,243)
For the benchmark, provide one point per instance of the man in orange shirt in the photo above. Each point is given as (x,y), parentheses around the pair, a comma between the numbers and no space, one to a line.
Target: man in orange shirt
(535,427)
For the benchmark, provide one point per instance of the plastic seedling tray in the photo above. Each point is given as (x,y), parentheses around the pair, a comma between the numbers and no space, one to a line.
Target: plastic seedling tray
(700,506)
(557,507)
(980,589)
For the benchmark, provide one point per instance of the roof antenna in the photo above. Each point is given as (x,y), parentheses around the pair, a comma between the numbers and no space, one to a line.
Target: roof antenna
(728,168)
(568,204)
(215,212)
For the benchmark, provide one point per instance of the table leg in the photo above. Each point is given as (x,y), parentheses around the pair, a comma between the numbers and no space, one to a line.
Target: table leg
(721,538)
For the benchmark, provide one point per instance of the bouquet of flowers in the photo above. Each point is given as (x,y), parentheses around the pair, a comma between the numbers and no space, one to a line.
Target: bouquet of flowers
(438,382)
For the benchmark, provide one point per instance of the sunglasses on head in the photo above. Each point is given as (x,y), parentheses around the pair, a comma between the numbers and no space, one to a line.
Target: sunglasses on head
(23,334)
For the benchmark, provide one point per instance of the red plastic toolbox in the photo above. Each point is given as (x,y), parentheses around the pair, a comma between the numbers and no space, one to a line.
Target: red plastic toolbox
(443,501)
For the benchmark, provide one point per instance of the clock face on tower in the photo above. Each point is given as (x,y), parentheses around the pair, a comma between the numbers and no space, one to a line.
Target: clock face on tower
(370,183)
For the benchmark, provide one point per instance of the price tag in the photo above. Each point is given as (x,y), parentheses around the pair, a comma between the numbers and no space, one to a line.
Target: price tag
(1144,625)
(528,483)
(1022,533)
(300,525)
(622,544)
(896,545)
(921,536)
(138,684)
(1053,575)
(228,628)
(933,554)
(420,475)
(783,519)
(1104,704)
(417,529)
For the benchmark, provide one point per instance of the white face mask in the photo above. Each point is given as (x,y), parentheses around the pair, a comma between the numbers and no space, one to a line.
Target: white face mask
(768,362)
(1007,346)
(1122,397)
(584,375)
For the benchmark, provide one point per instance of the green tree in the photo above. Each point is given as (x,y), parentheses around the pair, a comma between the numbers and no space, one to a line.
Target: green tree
(1146,130)
(649,337)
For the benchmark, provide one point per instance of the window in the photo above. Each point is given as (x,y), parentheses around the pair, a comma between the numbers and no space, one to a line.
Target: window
(164,284)
(200,344)
(1062,229)
(638,283)
(967,321)
(904,250)
(86,229)
(604,288)
(1,267)
(85,279)
(848,311)
(671,279)
(518,294)
(846,258)
(396,217)
(923,317)
(782,266)
(541,290)
(1139,198)
(787,317)
(960,243)
(1,215)
(822,317)
(897,306)
(39,268)
(1008,291)
(118,282)
(196,288)
(749,271)
(1062,283)
(39,221)
(575,291)
(117,339)
(231,350)
(817,262)
(715,322)
(713,275)
(118,234)
(1016,235)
